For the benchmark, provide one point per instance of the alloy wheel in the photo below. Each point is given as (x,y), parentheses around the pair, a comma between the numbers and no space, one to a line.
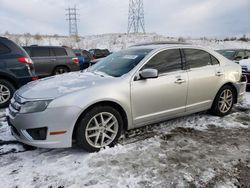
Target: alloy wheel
(4,94)
(101,130)
(225,100)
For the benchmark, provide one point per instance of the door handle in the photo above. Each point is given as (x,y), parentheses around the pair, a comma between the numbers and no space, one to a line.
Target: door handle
(219,73)
(53,60)
(180,81)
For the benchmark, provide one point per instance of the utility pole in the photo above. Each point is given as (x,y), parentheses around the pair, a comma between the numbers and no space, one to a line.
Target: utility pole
(72,17)
(136,16)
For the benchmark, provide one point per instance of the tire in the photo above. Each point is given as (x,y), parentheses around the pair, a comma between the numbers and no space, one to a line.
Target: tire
(28,147)
(93,133)
(224,101)
(60,70)
(7,90)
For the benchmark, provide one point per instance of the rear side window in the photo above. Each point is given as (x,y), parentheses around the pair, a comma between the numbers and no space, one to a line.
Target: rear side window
(166,61)
(98,52)
(4,49)
(40,52)
(60,52)
(197,58)
(28,50)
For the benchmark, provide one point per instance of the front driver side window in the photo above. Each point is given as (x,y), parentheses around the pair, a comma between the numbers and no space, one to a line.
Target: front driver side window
(166,61)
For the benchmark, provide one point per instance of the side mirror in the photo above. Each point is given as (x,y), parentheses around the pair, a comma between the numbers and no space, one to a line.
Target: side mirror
(149,73)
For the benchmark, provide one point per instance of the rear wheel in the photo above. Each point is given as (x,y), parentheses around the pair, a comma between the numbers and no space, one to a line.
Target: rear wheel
(98,128)
(224,101)
(6,92)
(60,70)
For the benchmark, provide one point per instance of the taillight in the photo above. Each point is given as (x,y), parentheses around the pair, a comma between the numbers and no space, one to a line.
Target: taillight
(25,60)
(75,60)
(34,78)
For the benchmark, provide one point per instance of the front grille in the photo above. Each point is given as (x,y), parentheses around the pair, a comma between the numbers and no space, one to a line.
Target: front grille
(15,105)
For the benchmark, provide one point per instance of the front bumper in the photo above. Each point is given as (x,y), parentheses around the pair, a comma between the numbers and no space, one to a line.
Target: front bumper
(61,119)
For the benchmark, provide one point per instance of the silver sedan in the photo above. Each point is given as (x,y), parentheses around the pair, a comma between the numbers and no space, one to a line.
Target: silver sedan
(132,88)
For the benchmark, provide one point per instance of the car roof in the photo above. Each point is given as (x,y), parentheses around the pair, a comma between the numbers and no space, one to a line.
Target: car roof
(3,37)
(154,46)
(36,46)
(160,43)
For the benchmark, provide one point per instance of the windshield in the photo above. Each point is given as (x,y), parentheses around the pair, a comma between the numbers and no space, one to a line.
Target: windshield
(120,63)
(227,53)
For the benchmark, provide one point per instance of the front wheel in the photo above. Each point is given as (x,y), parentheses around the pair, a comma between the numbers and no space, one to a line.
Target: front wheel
(224,101)
(98,128)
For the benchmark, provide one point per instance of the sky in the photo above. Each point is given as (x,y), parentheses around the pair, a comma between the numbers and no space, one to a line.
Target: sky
(174,18)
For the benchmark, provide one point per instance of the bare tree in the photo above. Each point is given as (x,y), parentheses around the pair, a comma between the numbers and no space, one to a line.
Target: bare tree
(38,37)
(27,39)
(6,33)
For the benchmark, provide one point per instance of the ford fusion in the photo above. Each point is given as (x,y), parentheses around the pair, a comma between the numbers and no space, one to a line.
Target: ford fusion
(135,87)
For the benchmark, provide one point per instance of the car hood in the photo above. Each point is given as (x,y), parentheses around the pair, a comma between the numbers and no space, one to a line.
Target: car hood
(245,62)
(56,86)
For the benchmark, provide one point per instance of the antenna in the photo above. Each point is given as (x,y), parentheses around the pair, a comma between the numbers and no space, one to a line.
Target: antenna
(72,17)
(136,16)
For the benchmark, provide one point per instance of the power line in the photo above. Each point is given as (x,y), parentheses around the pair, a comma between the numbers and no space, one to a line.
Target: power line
(72,18)
(136,16)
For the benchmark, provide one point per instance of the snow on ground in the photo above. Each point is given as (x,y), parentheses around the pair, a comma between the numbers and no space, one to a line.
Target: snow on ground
(118,41)
(199,150)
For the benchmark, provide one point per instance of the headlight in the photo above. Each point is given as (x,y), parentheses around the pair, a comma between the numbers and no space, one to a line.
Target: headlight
(34,106)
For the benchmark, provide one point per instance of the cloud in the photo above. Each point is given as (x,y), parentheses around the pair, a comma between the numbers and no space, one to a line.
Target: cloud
(195,18)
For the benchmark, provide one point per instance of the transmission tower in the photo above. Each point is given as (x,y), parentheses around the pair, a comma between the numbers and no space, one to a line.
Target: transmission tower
(136,16)
(72,17)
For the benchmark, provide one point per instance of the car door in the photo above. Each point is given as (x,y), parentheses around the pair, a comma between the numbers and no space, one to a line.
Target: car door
(43,59)
(157,99)
(62,57)
(247,52)
(205,78)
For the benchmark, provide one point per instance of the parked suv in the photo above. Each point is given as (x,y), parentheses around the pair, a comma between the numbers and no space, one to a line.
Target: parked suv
(132,88)
(99,53)
(16,69)
(52,60)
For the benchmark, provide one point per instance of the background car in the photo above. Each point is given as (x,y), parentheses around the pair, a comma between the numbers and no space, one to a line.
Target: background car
(84,57)
(126,90)
(16,69)
(245,64)
(52,60)
(235,54)
(99,53)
